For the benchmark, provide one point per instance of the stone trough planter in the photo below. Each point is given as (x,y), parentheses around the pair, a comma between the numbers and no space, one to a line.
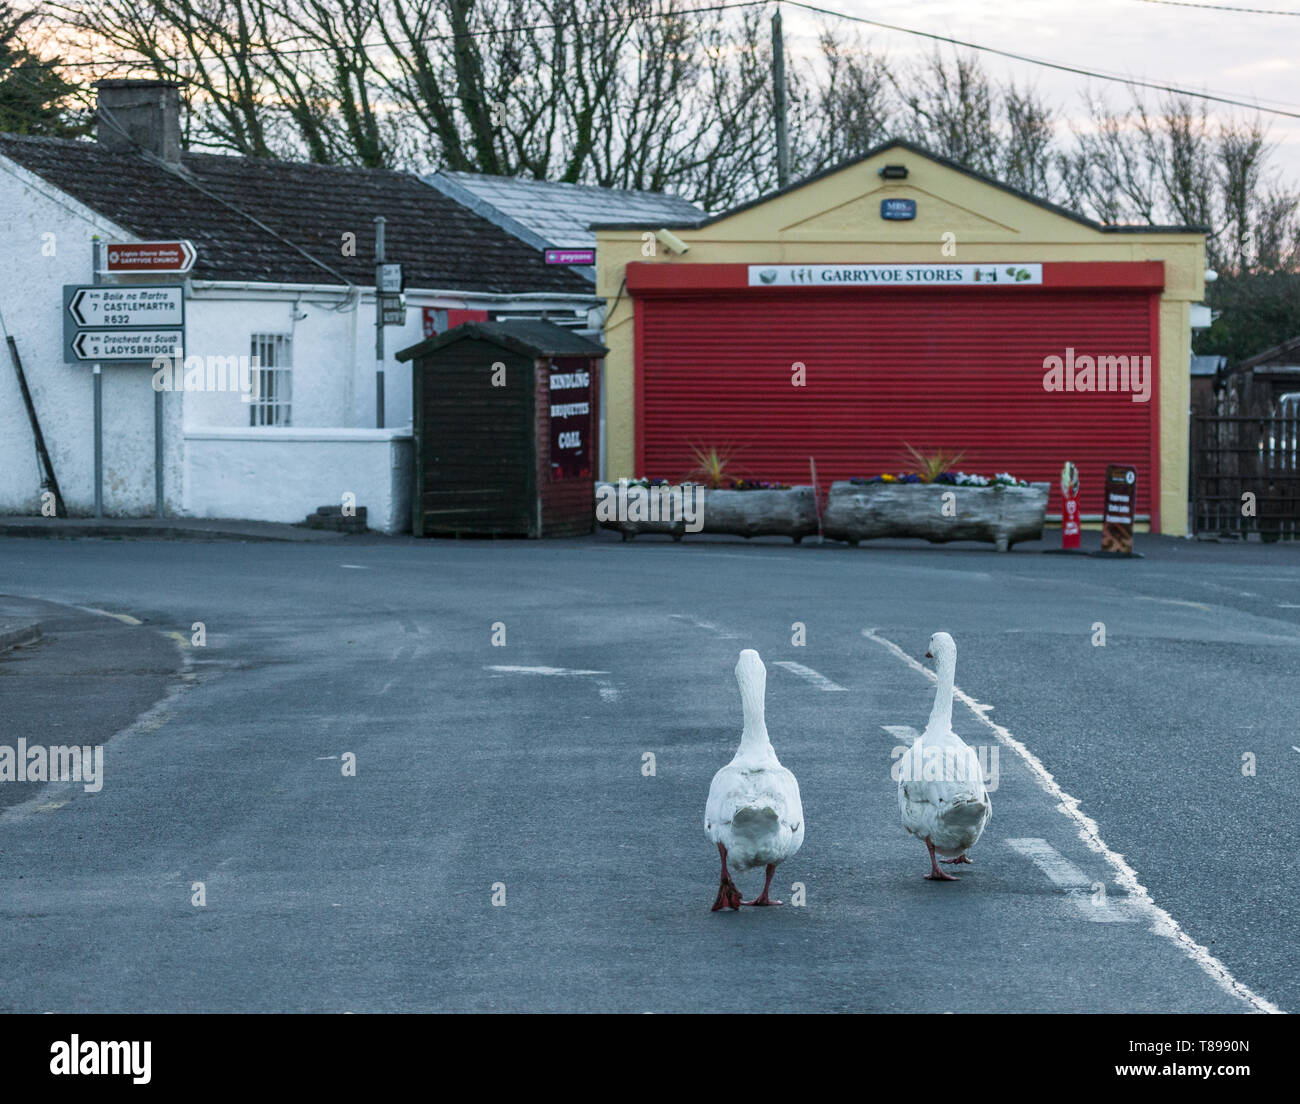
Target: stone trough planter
(759,513)
(1002,516)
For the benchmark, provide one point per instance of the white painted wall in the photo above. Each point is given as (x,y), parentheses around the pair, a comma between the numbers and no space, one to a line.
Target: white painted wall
(283,474)
(31,302)
(262,475)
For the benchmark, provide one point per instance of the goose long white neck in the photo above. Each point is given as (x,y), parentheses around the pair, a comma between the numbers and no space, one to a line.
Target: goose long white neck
(752,677)
(941,714)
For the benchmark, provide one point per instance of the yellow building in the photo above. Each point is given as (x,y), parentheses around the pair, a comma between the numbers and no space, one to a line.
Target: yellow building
(902,299)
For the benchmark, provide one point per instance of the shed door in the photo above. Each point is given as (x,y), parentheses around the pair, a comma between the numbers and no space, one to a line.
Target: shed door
(476,456)
(960,370)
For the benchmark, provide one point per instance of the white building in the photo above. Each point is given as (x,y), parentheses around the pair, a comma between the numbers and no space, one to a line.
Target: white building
(285,271)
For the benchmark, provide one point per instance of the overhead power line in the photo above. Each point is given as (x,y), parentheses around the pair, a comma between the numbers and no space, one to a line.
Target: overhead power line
(1219,7)
(1061,66)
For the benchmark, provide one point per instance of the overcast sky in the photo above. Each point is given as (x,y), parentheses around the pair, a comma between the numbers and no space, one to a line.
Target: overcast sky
(1255,58)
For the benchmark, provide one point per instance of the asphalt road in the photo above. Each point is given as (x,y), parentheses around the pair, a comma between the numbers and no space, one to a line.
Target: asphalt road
(374,892)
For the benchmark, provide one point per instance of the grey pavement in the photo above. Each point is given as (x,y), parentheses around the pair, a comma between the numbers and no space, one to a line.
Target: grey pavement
(479,767)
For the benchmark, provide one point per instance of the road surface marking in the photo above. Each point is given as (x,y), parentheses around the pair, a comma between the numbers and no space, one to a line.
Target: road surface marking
(902,732)
(1077,885)
(608,691)
(125,618)
(1175,602)
(543,671)
(1294,748)
(1287,605)
(1138,897)
(708,626)
(355,567)
(809,675)
(1051,862)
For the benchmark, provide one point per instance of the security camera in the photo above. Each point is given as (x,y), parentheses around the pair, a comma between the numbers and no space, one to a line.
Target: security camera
(671,241)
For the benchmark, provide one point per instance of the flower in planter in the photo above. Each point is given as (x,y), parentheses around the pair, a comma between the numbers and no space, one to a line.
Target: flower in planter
(756,485)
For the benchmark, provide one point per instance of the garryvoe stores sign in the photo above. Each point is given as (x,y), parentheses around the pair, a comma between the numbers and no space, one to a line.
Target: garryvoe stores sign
(894,275)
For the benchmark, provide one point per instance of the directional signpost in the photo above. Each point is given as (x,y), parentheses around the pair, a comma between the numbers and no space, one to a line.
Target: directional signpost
(149,257)
(122,323)
(127,324)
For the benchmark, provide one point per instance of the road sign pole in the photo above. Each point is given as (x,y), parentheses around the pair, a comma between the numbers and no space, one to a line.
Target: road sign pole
(99,443)
(99,399)
(158,453)
(379,323)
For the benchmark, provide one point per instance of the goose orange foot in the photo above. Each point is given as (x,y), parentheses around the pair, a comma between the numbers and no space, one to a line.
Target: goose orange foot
(936,875)
(763,898)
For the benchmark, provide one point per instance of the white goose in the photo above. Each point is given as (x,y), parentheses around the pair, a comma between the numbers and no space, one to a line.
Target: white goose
(941,790)
(753,814)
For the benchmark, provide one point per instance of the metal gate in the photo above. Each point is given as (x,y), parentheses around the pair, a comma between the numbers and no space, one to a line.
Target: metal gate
(1245,477)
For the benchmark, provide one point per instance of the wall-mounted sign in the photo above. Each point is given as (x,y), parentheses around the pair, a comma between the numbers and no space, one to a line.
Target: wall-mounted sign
(570,393)
(898,209)
(122,322)
(172,256)
(433,320)
(895,275)
(571,256)
(1117,516)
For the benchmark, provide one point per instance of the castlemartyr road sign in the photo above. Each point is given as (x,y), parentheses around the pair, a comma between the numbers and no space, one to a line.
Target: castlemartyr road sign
(105,305)
(127,344)
(115,322)
(170,256)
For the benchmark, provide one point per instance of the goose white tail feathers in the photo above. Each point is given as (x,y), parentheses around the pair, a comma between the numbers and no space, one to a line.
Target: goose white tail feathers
(754,814)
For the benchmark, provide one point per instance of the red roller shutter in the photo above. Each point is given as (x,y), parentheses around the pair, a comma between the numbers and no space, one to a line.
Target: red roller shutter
(958,369)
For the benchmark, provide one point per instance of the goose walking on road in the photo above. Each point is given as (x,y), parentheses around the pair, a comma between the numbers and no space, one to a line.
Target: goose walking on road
(941,790)
(753,814)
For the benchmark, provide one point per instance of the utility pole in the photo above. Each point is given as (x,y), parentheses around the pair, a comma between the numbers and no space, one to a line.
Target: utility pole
(99,398)
(379,323)
(778,99)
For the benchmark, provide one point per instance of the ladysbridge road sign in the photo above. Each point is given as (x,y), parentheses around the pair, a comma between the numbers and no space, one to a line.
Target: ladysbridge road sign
(894,275)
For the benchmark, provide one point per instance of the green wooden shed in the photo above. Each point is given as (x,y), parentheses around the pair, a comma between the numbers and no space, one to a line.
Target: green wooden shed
(506,430)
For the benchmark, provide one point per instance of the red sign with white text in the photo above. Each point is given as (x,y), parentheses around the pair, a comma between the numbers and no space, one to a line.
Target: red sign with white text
(1070,529)
(173,256)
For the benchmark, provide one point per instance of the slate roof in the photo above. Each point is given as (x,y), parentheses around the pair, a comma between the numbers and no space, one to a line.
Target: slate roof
(910,147)
(532,337)
(553,215)
(217,202)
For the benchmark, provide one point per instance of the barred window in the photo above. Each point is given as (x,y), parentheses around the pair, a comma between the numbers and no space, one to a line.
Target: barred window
(273,380)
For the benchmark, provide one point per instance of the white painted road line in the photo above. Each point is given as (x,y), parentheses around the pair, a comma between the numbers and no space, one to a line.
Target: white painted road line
(708,626)
(608,691)
(543,671)
(1089,898)
(1051,862)
(809,675)
(902,732)
(1139,900)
